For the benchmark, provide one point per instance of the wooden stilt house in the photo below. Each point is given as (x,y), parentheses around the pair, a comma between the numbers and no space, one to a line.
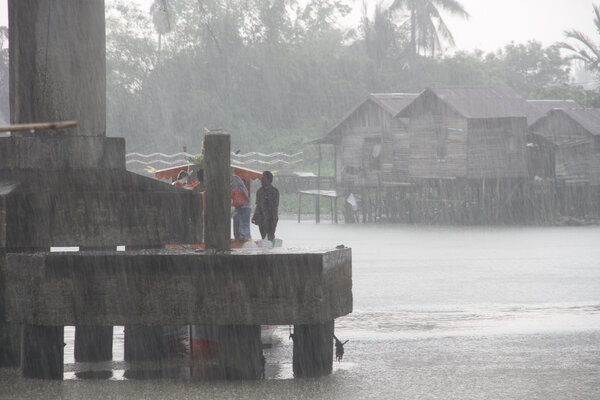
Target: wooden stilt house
(467,132)
(371,146)
(575,135)
(541,152)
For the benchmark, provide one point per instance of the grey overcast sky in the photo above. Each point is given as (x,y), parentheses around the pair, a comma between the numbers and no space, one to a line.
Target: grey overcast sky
(493,23)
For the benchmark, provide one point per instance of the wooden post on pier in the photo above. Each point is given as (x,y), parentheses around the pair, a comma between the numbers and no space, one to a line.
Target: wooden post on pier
(240,350)
(217,176)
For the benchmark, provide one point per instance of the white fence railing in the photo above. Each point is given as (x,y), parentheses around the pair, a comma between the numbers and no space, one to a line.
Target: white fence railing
(141,163)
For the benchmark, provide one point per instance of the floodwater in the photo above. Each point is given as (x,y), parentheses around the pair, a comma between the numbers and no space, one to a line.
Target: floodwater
(439,313)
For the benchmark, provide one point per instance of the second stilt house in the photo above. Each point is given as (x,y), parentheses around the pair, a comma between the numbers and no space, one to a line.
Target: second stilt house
(570,144)
(467,132)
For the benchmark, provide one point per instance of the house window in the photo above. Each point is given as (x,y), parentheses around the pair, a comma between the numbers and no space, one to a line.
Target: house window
(442,143)
(513,144)
(375,160)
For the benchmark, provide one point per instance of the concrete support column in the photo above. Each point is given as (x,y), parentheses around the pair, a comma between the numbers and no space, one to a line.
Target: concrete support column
(217,177)
(144,342)
(42,352)
(10,342)
(93,343)
(58,63)
(240,352)
(313,350)
(10,334)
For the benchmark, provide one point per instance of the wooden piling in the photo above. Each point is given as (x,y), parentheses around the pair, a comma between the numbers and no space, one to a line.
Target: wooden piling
(217,196)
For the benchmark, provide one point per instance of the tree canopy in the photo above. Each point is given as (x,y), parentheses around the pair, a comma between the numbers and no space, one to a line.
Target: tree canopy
(276,73)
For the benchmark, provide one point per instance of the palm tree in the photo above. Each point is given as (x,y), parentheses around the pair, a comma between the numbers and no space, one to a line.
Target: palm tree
(587,51)
(161,20)
(380,33)
(426,24)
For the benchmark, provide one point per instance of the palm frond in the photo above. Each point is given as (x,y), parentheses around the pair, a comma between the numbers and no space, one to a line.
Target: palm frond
(453,6)
(597,18)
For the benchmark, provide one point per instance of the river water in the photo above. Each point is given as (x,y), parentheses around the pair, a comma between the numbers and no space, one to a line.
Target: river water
(439,313)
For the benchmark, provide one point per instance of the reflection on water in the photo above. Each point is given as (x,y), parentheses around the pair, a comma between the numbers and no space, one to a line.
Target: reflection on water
(439,313)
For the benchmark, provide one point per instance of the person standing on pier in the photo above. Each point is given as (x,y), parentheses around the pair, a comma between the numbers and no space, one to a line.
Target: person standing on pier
(240,199)
(267,207)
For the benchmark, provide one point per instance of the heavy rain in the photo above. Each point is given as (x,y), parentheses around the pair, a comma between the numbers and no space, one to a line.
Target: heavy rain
(299,199)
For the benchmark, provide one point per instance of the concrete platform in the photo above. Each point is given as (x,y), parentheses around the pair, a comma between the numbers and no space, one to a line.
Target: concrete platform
(177,286)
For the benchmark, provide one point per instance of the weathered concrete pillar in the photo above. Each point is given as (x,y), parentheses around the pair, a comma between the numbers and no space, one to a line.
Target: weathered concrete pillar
(10,334)
(240,352)
(313,350)
(93,343)
(10,342)
(58,63)
(217,176)
(42,352)
(144,342)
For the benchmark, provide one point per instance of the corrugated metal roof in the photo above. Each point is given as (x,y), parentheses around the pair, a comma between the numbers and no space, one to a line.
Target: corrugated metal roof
(588,118)
(392,103)
(474,102)
(542,107)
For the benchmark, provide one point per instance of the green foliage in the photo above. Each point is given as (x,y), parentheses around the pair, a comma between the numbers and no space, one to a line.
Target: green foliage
(277,73)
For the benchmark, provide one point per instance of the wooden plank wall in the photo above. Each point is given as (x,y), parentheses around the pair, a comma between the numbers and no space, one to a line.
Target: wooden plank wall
(576,164)
(368,126)
(424,159)
(573,163)
(496,148)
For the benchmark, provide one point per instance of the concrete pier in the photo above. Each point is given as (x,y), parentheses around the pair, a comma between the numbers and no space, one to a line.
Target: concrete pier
(70,188)
(179,287)
(235,291)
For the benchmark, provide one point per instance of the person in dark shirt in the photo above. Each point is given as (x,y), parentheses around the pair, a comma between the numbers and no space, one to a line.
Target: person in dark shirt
(267,207)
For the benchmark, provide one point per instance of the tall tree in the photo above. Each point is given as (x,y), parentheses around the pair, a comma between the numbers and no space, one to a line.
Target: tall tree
(427,27)
(380,33)
(161,18)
